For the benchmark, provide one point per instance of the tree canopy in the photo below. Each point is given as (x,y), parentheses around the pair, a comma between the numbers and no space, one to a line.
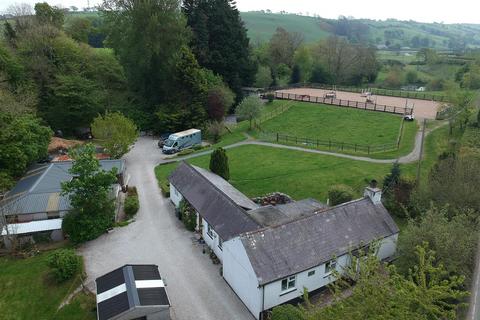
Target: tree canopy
(115,132)
(89,193)
(220,41)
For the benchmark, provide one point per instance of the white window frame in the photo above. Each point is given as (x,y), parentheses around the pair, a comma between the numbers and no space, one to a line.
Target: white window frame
(330,266)
(220,243)
(210,231)
(289,286)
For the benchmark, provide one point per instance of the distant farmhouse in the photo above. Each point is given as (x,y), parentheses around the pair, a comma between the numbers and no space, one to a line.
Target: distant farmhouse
(35,206)
(270,254)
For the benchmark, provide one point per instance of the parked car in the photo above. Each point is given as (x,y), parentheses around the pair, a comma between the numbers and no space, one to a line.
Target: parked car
(163,138)
(182,140)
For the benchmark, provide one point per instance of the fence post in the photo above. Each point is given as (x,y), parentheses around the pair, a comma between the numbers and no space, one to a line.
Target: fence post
(343,144)
(355,147)
(296,139)
(317,143)
(277,136)
(356,105)
(368,149)
(329,144)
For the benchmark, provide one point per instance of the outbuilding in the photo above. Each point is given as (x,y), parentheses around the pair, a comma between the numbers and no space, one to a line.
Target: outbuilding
(132,292)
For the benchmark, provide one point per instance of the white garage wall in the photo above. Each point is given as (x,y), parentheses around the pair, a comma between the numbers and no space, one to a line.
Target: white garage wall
(175,196)
(239,274)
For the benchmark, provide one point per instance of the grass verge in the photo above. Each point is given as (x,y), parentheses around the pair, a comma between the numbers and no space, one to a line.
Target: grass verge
(27,291)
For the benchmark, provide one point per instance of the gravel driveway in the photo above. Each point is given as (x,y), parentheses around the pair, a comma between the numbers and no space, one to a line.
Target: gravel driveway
(195,287)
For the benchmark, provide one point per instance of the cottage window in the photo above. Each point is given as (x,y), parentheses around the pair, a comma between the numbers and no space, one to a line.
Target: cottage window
(330,266)
(210,231)
(220,243)
(311,273)
(288,283)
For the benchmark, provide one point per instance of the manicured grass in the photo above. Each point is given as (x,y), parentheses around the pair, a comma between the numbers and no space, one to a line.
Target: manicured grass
(316,121)
(258,170)
(27,291)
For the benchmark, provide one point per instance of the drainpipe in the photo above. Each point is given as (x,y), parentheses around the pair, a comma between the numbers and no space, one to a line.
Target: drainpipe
(263,301)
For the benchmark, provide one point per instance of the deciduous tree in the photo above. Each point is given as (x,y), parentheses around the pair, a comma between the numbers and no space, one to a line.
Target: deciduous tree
(92,207)
(115,132)
(249,108)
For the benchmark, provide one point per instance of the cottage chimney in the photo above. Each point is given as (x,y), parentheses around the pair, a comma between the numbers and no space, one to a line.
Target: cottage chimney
(374,193)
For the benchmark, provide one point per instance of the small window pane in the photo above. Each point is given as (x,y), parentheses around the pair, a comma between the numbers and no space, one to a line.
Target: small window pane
(311,273)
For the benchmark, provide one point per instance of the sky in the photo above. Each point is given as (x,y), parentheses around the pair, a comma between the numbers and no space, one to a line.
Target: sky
(459,11)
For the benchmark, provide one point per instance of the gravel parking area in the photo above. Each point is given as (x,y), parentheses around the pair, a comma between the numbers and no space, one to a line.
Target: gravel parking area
(195,287)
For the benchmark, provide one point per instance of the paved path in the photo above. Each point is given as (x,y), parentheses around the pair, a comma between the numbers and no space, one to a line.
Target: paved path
(409,158)
(195,287)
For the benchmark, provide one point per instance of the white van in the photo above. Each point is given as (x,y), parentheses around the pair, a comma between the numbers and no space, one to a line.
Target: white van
(182,140)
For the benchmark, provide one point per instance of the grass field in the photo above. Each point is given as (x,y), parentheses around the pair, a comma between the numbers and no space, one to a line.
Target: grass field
(336,124)
(257,170)
(27,291)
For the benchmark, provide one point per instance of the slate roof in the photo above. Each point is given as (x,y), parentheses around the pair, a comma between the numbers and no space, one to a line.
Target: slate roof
(226,217)
(239,198)
(293,247)
(269,216)
(130,287)
(39,190)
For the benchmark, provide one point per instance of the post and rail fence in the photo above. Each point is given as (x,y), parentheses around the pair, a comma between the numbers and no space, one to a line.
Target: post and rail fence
(376,91)
(326,144)
(344,103)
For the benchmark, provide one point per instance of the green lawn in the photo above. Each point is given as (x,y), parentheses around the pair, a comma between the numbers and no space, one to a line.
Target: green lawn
(27,291)
(258,170)
(317,121)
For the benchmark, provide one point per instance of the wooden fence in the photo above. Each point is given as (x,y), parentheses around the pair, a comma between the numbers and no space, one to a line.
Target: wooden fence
(327,144)
(376,91)
(344,103)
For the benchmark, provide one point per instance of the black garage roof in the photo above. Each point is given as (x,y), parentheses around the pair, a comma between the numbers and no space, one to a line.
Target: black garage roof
(129,287)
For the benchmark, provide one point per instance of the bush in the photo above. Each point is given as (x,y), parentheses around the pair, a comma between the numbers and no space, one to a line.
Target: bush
(131,205)
(165,187)
(188,215)
(80,226)
(65,264)
(197,147)
(340,194)
(185,152)
(215,130)
(270,97)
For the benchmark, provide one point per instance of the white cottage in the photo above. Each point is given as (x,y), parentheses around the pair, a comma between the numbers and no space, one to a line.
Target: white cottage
(221,209)
(270,254)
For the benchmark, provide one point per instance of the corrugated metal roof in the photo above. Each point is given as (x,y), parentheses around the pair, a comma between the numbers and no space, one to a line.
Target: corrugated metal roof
(296,246)
(40,189)
(33,226)
(222,213)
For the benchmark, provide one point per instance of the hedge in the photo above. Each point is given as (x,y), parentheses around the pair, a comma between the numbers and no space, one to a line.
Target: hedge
(131,204)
